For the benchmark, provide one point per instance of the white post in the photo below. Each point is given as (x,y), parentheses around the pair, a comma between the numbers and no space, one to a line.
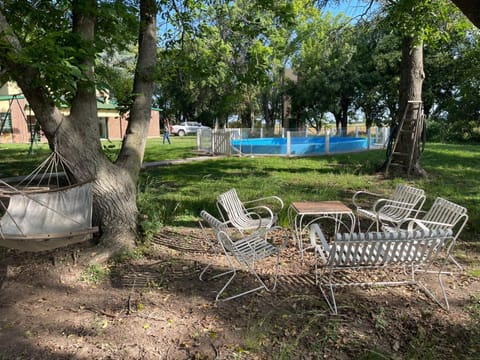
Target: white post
(386,135)
(356,131)
(289,145)
(261,132)
(327,141)
(228,142)
(214,135)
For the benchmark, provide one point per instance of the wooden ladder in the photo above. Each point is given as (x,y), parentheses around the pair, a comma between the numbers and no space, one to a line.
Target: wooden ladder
(395,157)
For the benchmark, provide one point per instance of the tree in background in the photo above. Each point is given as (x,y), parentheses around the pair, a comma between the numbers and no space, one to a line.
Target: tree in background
(470,9)
(326,77)
(451,88)
(222,65)
(417,21)
(378,62)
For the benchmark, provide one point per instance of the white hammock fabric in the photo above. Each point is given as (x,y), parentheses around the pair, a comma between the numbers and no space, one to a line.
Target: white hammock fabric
(44,220)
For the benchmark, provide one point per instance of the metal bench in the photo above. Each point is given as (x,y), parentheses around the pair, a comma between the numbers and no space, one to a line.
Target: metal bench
(414,251)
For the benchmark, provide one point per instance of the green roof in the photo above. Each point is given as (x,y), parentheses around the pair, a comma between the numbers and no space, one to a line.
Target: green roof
(10,97)
(101,105)
(106,106)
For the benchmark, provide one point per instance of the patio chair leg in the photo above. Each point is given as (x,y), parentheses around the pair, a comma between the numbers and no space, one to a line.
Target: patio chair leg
(452,259)
(211,247)
(217,298)
(201,277)
(443,304)
(330,300)
(203,272)
(264,285)
(234,270)
(370,226)
(359,225)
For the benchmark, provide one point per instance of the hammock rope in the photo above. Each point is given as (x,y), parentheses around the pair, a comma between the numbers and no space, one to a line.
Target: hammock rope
(40,208)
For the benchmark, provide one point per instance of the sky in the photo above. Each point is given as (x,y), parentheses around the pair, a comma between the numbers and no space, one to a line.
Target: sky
(350,8)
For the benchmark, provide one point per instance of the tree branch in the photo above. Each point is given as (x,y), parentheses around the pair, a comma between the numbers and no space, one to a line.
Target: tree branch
(25,76)
(470,9)
(131,154)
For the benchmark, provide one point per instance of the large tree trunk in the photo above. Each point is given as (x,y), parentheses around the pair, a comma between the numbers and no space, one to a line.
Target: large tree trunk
(411,81)
(344,105)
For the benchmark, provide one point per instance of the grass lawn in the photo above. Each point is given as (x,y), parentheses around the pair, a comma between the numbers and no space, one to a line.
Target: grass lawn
(181,191)
(453,173)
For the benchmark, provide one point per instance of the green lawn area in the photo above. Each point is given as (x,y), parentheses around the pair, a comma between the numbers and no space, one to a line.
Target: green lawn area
(453,173)
(177,193)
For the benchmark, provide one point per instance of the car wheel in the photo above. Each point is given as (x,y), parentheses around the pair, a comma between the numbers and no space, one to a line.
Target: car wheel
(181,133)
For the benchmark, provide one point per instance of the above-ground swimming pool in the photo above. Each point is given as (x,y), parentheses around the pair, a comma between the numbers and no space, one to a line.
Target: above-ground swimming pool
(314,145)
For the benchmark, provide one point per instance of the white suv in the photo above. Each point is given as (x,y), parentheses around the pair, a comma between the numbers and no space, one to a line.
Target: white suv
(187,128)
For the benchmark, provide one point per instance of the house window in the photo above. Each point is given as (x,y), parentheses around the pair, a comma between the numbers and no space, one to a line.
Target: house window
(5,123)
(103,127)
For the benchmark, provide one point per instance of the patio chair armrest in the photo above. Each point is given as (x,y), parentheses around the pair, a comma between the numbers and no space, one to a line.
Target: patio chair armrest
(264,233)
(259,232)
(426,224)
(412,223)
(275,199)
(363,193)
(407,224)
(253,211)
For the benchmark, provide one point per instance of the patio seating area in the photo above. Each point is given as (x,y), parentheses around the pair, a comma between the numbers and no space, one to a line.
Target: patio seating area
(407,236)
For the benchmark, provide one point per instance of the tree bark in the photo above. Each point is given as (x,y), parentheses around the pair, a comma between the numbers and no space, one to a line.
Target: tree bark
(411,81)
(133,149)
(344,105)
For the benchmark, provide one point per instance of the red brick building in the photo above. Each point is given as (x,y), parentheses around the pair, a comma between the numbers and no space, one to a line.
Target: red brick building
(19,125)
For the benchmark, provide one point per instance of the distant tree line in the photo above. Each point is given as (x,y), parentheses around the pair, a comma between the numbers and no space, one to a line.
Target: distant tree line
(231,59)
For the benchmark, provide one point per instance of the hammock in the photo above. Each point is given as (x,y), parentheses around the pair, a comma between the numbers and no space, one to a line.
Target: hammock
(40,218)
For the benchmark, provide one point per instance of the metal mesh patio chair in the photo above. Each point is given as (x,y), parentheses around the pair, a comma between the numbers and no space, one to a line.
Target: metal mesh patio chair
(405,202)
(442,215)
(243,253)
(248,215)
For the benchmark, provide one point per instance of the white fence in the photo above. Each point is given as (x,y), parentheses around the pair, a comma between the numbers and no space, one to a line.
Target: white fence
(219,141)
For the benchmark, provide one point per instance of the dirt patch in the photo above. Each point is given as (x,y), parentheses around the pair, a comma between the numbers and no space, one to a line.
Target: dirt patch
(157,308)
